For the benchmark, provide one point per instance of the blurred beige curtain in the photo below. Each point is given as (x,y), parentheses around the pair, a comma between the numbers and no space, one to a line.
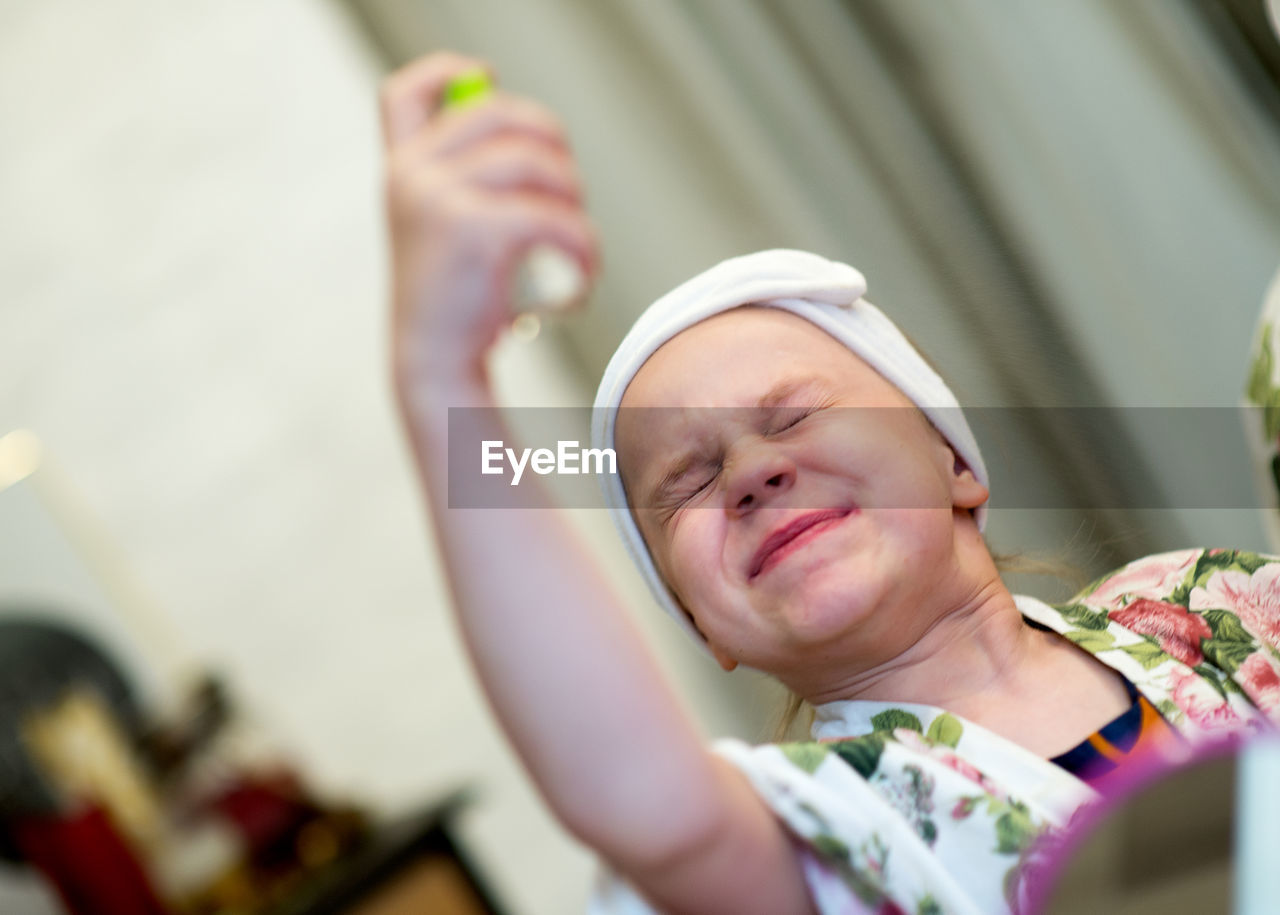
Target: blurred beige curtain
(1064,203)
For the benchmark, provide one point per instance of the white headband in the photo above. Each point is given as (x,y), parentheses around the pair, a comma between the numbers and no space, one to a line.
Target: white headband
(827,293)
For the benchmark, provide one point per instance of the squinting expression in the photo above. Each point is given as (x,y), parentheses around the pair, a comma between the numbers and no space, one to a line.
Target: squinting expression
(792,498)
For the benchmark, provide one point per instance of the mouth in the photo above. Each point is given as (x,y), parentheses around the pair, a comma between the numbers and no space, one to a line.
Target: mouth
(791,536)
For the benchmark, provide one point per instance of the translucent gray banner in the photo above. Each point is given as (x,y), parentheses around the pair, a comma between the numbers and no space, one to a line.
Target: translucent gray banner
(1164,457)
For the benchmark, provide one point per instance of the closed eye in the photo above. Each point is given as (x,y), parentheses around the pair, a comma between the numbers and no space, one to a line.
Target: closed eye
(682,496)
(788,417)
(709,480)
(687,495)
(784,418)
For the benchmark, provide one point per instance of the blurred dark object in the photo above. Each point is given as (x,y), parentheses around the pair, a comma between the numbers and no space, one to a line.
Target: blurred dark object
(169,745)
(1244,31)
(127,811)
(269,813)
(408,867)
(283,830)
(39,660)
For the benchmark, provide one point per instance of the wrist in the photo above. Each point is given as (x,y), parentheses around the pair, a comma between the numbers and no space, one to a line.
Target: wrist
(439,377)
(425,396)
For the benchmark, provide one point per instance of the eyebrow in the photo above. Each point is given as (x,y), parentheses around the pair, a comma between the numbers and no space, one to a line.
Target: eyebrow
(774,397)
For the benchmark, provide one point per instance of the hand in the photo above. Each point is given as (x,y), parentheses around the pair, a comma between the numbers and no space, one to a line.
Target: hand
(468,193)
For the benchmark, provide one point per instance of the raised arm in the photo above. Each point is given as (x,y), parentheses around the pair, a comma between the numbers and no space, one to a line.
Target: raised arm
(580,697)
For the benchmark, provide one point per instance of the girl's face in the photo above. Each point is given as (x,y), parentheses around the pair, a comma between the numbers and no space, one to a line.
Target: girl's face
(794,500)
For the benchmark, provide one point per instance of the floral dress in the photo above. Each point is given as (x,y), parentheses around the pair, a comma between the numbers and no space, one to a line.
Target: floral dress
(907,808)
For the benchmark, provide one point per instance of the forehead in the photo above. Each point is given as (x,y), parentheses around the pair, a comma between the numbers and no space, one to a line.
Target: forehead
(721,360)
(735,359)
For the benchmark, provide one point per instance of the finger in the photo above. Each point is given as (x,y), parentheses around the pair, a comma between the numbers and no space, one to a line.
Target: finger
(463,189)
(519,164)
(411,95)
(501,115)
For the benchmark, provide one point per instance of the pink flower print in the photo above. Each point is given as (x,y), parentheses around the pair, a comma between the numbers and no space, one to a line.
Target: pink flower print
(965,806)
(971,772)
(1261,681)
(909,737)
(948,758)
(1254,598)
(1202,703)
(1176,629)
(1154,577)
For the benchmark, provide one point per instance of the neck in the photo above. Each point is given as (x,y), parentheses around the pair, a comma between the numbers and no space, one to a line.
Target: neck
(975,653)
(978,659)
(971,654)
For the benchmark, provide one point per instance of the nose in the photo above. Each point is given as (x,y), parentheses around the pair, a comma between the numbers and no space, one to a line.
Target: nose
(758,472)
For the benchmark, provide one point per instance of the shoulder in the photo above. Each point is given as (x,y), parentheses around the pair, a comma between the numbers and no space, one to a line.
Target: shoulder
(1188,578)
(1229,599)
(904,817)
(1201,629)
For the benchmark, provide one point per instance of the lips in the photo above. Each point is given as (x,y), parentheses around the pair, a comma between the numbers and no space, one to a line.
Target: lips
(789,532)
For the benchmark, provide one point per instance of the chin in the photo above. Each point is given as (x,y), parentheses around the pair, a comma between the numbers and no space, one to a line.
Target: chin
(829,610)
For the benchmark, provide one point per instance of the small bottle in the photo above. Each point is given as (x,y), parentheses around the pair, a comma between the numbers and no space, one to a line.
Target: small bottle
(548,280)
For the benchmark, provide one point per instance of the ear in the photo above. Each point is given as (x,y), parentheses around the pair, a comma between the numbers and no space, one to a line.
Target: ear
(722,656)
(966,491)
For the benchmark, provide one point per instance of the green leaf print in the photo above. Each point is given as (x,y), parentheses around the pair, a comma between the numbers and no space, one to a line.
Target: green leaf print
(896,718)
(805,756)
(1210,564)
(1252,562)
(1090,640)
(831,847)
(928,906)
(1146,653)
(946,730)
(1231,643)
(1014,830)
(1228,655)
(863,753)
(1204,566)
(1226,626)
(1082,616)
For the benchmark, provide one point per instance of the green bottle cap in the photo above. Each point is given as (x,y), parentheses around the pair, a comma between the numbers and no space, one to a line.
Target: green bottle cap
(467,88)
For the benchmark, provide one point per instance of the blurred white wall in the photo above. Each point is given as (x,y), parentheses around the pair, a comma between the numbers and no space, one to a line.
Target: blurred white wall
(192,287)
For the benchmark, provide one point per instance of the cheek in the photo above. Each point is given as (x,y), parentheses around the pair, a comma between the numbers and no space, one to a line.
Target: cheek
(664,550)
(691,563)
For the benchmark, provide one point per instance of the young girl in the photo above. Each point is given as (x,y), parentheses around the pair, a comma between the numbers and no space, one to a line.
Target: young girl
(806,498)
